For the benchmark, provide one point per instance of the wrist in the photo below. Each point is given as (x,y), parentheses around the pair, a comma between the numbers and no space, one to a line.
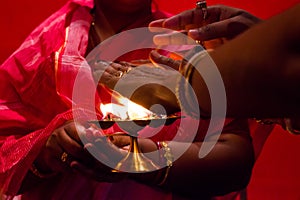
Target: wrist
(164,159)
(192,91)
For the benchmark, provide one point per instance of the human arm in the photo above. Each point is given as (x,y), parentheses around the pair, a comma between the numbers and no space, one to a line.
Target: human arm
(225,169)
(259,70)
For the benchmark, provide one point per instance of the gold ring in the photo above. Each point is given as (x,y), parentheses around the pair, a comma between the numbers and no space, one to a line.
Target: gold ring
(199,42)
(128,70)
(119,74)
(203,6)
(64,157)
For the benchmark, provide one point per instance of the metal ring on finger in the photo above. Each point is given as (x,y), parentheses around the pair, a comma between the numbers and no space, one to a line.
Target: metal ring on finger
(64,157)
(119,74)
(203,6)
(128,69)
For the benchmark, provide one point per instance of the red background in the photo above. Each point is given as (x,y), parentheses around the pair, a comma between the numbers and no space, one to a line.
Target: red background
(277,171)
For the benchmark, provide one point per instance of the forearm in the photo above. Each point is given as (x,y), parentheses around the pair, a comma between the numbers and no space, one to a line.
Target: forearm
(223,170)
(260,69)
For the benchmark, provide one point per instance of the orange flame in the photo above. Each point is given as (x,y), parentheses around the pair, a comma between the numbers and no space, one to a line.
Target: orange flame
(124,109)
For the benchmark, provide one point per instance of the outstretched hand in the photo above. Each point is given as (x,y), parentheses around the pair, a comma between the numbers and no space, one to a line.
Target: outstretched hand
(221,22)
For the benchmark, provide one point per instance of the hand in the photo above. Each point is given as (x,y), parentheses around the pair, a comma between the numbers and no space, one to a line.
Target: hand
(63,147)
(164,60)
(160,59)
(143,79)
(107,151)
(108,73)
(221,22)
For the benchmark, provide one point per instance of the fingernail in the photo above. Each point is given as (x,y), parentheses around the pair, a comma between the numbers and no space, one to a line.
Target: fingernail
(154,28)
(73,164)
(160,40)
(87,146)
(193,33)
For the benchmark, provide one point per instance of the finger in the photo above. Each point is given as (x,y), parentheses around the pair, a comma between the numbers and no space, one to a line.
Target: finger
(118,70)
(100,64)
(185,19)
(136,63)
(96,152)
(92,133)
(66,159)
(117,66)
(52,155)
(110,75)
(68,138)
(237,25)
(195,17)
(103,154)
(74,131)
(106,147)
(174,38)
(121,69)
(97,75)
(157,25)
(108,67)
(223,29)
(111,70)
(158,58)
(120,140)
(109,80)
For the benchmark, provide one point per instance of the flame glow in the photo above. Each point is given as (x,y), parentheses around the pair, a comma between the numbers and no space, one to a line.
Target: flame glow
(125,110)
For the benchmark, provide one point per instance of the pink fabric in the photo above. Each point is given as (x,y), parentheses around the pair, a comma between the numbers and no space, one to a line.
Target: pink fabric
(28,97)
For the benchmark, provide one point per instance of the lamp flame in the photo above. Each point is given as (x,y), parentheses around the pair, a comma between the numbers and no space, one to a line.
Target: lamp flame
(125,110)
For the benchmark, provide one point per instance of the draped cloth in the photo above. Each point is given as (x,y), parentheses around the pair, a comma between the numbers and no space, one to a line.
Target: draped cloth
(36,98)
(29,92)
